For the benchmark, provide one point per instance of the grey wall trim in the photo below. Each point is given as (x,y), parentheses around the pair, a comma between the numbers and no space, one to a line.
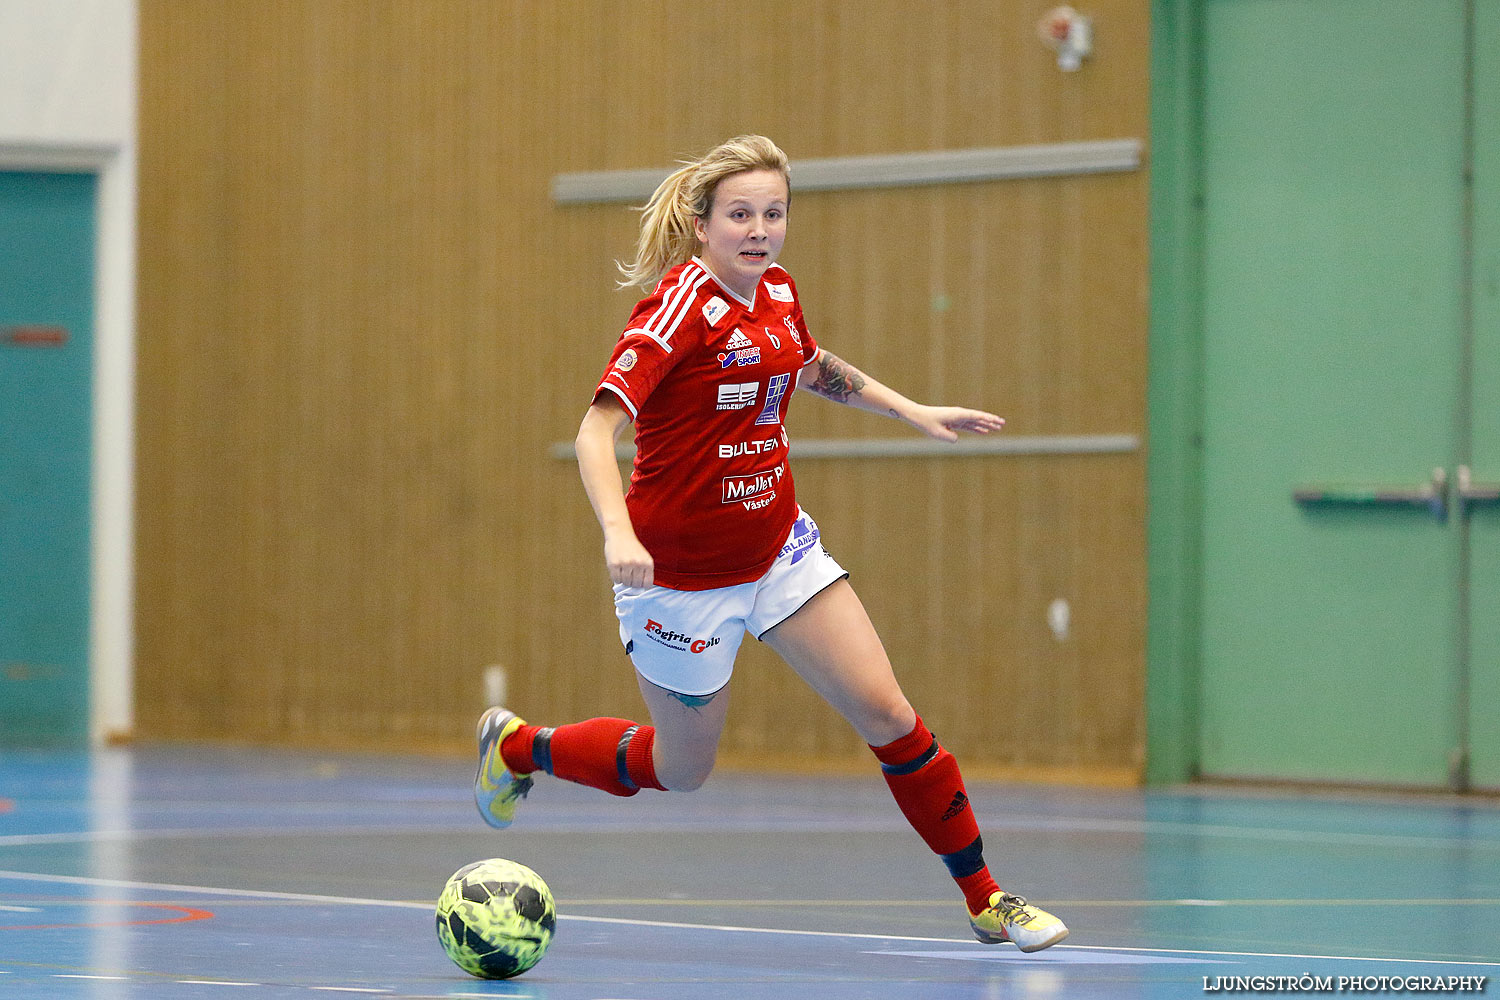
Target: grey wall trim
(1048,444)
(947,166)
(62,158)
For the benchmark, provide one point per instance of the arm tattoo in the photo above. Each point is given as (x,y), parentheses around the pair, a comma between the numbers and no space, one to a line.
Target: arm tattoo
(837,379)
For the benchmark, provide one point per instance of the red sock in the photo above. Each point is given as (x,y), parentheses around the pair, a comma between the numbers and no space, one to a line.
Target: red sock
(927,785)
(613,755)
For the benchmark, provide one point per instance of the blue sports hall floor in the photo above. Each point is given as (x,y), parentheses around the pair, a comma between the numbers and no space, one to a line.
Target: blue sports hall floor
(190,872)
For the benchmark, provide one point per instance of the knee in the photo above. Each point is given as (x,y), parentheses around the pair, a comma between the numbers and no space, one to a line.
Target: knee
(887,722)
(688,784)
(684,775)
(688,781)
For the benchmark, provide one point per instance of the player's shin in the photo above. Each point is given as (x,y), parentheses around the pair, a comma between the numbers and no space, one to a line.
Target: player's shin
(925,780)
(613,755)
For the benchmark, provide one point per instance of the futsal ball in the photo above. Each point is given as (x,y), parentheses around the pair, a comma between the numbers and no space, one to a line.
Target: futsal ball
(495,918)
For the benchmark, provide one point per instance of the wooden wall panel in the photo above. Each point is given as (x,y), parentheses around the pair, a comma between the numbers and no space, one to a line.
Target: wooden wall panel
(363,324)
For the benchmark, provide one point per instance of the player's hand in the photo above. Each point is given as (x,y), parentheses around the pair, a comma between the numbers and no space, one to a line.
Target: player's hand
(628,561)
(945,422)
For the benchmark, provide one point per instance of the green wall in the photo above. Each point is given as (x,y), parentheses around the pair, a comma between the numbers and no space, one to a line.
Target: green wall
(1175,402)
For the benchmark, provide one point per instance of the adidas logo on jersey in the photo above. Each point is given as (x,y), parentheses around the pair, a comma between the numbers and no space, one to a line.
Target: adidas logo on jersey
(737,341)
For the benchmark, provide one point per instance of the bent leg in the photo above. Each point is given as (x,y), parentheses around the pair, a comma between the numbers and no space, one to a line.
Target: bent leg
(612,755)
(675,753)
(688,728)
(693,651)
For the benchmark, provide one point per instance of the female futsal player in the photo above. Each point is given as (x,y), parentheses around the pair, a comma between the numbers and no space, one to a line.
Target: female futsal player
(710,543)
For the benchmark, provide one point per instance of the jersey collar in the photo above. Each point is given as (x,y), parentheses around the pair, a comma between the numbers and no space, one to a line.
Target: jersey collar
(750,304)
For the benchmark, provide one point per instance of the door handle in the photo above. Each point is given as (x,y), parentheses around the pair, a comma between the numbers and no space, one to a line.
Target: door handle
(1472,494)
(1432,495)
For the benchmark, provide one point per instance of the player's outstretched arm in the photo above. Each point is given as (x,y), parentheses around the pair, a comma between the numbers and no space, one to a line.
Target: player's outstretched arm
(628,561)
(833,378)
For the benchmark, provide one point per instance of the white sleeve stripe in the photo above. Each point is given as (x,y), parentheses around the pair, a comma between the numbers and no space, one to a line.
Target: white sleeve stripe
(687,303)
(623,398)
(664,345)
(668,300)
(672,304)
(669,315)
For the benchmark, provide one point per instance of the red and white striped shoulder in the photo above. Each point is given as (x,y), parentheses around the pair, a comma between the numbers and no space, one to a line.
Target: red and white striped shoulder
(660,315)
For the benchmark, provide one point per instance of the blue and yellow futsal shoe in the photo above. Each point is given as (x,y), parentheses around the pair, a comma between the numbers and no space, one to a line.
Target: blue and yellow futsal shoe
(1011,918)
(496,790)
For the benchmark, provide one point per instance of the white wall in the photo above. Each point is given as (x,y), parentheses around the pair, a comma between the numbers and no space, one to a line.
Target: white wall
(68,102)
(67,72)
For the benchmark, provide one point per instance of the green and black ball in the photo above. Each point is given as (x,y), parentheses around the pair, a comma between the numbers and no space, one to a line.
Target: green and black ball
(495,918)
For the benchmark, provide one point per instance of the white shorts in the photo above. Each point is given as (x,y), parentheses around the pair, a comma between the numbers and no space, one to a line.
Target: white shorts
(686,640)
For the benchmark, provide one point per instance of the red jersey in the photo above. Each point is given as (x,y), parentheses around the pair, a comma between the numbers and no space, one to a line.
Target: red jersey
(707,377)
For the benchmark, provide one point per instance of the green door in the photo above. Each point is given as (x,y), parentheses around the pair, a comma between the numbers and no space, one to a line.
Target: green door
(1347,636)
(1483,521)
(46,351)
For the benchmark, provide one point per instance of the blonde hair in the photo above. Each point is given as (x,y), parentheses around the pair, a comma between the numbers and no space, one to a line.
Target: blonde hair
(667,234)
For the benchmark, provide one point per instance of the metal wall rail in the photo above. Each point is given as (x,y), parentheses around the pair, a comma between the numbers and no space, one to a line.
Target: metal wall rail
(841,173)
(1043,444)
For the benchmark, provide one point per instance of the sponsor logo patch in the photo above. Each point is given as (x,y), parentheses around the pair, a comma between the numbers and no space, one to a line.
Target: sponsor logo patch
(678,640)
(627,360)
(737,395)
(714,310)
(748,448)
(804,537)
(744,356)
(781,293)
(775,389)
(755,490)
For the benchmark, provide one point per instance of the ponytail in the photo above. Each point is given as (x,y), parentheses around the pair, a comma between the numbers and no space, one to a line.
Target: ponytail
(668,236)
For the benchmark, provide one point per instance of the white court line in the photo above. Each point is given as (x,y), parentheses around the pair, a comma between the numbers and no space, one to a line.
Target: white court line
(723,928)
(1089,947)
(1014,824)
(185,833)
(301,897)
(1142,827)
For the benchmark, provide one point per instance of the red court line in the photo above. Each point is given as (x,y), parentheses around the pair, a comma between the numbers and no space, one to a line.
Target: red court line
(189,913)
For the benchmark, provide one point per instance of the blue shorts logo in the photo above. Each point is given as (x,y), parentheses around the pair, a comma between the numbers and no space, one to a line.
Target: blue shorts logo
(804,537)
